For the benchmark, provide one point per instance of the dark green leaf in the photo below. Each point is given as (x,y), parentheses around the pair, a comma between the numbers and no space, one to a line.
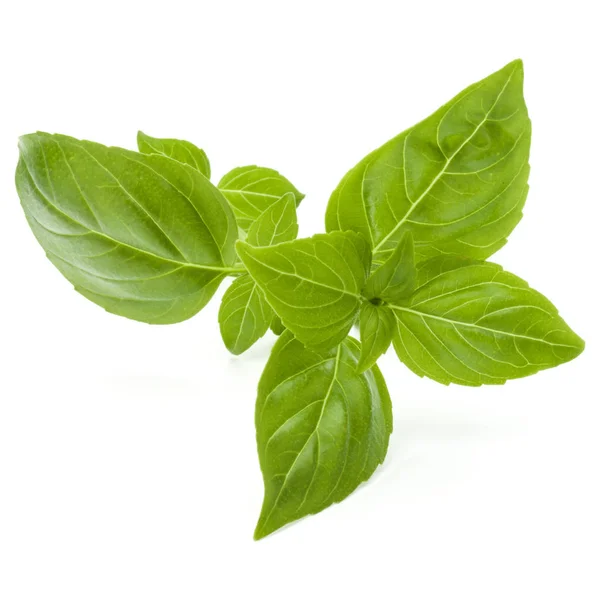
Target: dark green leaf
(277,326)
(470,322)
(457,180)
(312,284)
(377,324)
(276,224)
(180,150)
(321,429)
(251,190)
(143,236)
(244,316)
(396,277)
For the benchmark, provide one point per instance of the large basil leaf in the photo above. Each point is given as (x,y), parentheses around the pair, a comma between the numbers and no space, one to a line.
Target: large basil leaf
(321,429)
(377,324)
(276,224)
(145,237)
(251,190)
(313,284)
(470,322)
(457,180)
(244,315)
(180,150)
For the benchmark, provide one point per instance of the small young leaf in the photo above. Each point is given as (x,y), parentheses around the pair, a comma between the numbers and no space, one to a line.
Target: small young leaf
(321,429)
(395,278)
(276,224)
(99,213)
(251,190)
(313,284)
(180,150)
(377,324)
(470,322)
(244,315)
(457,180)
(277,326)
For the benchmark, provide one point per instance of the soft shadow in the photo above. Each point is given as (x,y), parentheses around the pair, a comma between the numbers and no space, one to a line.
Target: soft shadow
(258,353)
(443,429)
(151,386)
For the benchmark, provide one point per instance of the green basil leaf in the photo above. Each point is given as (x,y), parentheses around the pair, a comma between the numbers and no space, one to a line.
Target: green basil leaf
(312,284)
(395,278)
(377,324)
(180,150)
(276,224)
(321,429)
(277,326)
(251,190)
(99,213)
(470,322)
(244,315)
(457,180)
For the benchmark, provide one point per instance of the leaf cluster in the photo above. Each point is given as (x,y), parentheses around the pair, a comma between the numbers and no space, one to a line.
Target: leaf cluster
(409,229)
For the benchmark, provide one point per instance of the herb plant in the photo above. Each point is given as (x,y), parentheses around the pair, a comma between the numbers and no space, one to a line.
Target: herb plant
(147,236)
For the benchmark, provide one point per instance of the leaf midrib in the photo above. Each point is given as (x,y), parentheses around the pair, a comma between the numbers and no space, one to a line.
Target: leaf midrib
(246,308)
(442,170)
(325,399)
(453,322)
(119,242)
(247,193)
(289,274)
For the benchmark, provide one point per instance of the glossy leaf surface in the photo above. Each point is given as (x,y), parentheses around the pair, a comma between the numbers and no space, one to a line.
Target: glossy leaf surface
(244,315)
(471,323)
(251,190)
(321,429)
(457,180)
(143,236)
(276,224)
(180,150)
(313,284)
(395,278)
(377,324)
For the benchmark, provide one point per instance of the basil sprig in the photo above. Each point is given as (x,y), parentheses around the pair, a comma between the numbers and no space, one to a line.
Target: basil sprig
(147,236)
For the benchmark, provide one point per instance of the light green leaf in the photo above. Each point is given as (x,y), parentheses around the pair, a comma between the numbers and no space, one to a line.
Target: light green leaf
(244,315)
(251,190)
(470,322)
(143,236)
(377,324)
(457,180)
(312,284)
(276,224)
(396,277)
(321,429)
(277,326)
(180,150)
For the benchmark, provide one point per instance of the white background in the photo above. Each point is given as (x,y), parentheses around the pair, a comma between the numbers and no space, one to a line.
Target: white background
(128,467)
